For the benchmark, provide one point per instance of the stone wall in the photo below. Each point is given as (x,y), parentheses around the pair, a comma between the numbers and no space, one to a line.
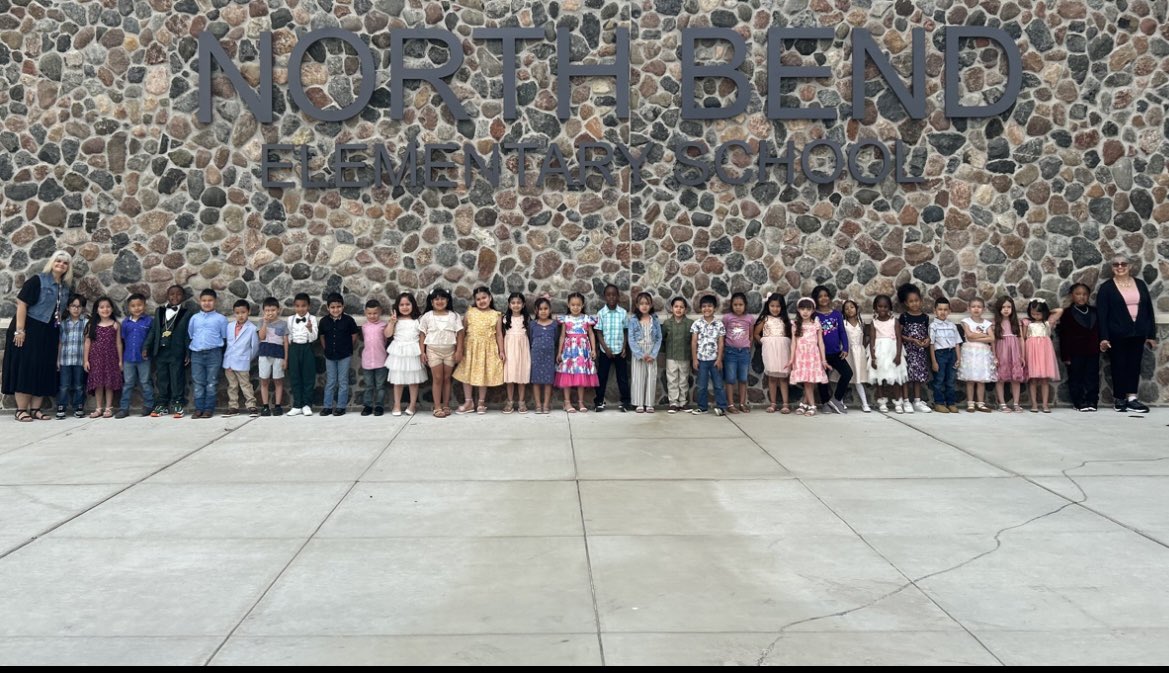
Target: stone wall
(101,154)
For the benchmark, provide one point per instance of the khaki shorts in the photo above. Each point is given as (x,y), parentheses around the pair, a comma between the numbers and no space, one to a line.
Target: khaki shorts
(440,355)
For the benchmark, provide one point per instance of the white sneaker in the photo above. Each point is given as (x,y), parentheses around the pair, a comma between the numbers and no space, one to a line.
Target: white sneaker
(907,406)
(899,407)
(865,408)
(882,405)
(308,411)
(295,411)
(921,406)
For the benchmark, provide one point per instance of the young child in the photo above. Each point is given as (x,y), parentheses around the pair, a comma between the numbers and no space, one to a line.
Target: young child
(404,354)
(243,346)
(809,360)
(945,356)
(707,341)
(836,348)
(977,362)
(611,322)
(737,358)
(645,340)
(1079,348)
(543,335)
(373,359)
(482,364)
(338,337)
(207,331)
(517,370)
(441,337)
(576,364)
(103,357)
(273,335)
(1008,350)
(858,340)
(1039,353)
(71,359)
(886,363)
(772,331)
(136,359)
(167,345)
(302,366)
(676,341)
(915,338)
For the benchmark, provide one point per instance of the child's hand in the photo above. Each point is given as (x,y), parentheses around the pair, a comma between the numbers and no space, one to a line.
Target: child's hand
(120,366)
(718,364)
(694,364)
(86,364)
(935,366)
(422,357)
(924,342)
(648,358)
(843,355)
(502,356)
(874,363)
(896,359)
(286,363)
(145,355)
(559,359)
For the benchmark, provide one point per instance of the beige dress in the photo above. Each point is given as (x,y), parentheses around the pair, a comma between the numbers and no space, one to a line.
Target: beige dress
(858,355)
(518,367)
(481,365)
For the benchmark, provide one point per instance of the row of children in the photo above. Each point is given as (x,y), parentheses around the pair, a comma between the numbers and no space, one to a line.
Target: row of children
(575,352)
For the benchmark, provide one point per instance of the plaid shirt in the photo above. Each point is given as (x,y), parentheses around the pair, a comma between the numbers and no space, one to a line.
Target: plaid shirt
(612,324)
(73,342)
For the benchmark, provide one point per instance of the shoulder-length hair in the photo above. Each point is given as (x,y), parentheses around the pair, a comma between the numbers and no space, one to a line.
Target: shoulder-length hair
(67,279)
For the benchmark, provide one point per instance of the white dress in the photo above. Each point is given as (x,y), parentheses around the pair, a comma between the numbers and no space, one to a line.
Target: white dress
(403,356)
(858,355)
(977,357)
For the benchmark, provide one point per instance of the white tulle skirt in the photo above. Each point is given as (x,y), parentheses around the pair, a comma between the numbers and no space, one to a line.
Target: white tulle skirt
(404,362)
(886,372)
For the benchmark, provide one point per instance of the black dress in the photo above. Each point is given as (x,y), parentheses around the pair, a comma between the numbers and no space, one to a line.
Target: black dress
(32,368)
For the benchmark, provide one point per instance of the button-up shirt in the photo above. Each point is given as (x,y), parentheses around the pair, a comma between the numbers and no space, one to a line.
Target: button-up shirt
(611,323)
(73,342)
(207,330)
(944,334)
(302,330)
(708,334)
(676,338)
(337,336)
(134,337)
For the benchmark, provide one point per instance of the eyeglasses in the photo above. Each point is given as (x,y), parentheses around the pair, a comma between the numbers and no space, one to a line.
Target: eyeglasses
(1116,264)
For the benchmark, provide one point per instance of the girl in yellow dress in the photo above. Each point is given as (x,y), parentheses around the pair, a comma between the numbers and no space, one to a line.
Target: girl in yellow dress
(484,354)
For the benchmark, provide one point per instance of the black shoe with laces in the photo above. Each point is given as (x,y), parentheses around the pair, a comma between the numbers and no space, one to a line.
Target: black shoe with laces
(1121,406)
(366,410)
(1135,406)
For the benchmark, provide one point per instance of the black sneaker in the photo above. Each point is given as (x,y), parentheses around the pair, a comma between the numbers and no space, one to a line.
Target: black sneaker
(366,410)
(599,408)
(159,411)
(1120,406)
(230,411)
(1136,407)
(622,408)
(326,412)
(79,413)
(278,410)
(253,412)
(266,412)
(339,412)
(147,412)
(1090,407)
(122,413)
(378,411)
(60,412)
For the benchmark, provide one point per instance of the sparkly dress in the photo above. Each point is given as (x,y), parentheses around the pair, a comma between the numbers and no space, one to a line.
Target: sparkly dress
(977,357)
(577,368)
(481,365)
(917,365)
(543,340)
(103,360)
(1039,351)
(776,347)
(1008,349)
(518,367)
(809,365)
(404,356)
(858,354)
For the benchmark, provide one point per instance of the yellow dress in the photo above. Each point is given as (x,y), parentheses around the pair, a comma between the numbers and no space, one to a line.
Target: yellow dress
(481,365)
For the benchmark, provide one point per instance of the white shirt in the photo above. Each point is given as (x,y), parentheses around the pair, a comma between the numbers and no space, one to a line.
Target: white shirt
(302,332)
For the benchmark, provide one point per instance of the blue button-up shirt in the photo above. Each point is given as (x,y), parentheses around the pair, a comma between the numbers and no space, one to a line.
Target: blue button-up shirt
(612,323)
(207,330)
(134,336)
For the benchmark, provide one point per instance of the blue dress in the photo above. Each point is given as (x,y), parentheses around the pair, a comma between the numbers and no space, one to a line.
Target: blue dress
(544,342)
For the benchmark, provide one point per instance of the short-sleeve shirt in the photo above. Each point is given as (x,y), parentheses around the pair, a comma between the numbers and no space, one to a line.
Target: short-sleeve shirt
(134,337)
(272,345)
(708,334)
(612,323)
(440,330)
(338,336)
(373,350)
(738,329)
(944,334)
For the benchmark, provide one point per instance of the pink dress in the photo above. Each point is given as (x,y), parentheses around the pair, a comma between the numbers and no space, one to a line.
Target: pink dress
(1039,351)
(1009,352)
(577,367)
(777,348)
(809,365)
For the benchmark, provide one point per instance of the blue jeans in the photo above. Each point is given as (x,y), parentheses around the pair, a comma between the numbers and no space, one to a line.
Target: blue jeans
(945,379)
(205,367)
(708,372)
(736,364)
(135,374)
(72,391)
(337,382)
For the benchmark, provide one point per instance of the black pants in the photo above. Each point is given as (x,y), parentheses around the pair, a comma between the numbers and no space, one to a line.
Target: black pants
(620,365)
(1126,365)
(840,364)
(171,377)
(302,374)
(1084,380)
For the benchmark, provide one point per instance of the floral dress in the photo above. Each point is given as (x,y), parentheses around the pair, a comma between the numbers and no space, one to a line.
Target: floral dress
(577,367)
(481,365)
(916,358)
(809,365)
(103,360)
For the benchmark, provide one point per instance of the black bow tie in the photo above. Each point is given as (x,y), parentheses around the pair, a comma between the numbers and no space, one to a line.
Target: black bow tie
(300,320)
(172,307)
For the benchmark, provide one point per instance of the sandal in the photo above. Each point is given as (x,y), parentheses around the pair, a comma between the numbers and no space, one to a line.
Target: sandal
(506,407)
(96,413)
(40,415)
(23,416)
(1017,409)
(482,408)
(584,409)
(649,410)
(801,410)
(745,408)
(969,407)
(523,407)
(438,413)
(983,408)
(465,408)
(569,409)
(811,411)
(1046,409)
(771,408)
(731,409)
(785,409)
(1004,409)
(108,413)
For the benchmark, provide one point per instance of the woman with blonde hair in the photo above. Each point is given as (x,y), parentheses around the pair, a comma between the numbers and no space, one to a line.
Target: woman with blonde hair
(30,343)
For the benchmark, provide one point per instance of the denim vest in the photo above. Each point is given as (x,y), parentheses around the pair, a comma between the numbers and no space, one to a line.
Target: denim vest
(43,310)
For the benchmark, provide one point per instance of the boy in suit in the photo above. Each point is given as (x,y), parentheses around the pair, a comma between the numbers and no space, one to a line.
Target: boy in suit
(167,344)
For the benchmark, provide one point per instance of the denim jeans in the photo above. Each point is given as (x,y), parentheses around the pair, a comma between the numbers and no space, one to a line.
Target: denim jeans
(708,372)
(337,382)
(205,368)
(135,374)
(945,379)
(736,364)
(375,386)
(72,390)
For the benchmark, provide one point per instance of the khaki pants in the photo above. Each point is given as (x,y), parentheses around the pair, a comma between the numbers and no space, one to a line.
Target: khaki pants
(677,381)
(244,382)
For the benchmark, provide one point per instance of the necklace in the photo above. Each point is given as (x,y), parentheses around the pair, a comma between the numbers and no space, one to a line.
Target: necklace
(1082,311)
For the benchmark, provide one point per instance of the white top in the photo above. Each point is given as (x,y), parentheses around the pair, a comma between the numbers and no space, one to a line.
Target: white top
(302,330)
(440,330)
